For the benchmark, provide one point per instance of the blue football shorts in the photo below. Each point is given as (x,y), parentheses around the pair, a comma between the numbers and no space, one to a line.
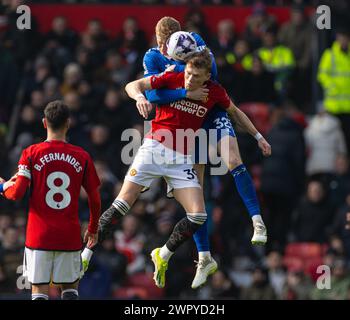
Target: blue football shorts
(217,125)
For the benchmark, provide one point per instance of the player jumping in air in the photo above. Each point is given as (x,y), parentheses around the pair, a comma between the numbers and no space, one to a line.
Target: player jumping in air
(180,176)
(157,61)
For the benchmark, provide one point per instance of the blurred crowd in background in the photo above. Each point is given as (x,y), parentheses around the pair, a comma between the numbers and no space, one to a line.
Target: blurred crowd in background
(191,2)
(304,187)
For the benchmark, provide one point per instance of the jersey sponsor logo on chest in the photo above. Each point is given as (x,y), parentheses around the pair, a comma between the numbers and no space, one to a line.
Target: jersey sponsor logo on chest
(189,107)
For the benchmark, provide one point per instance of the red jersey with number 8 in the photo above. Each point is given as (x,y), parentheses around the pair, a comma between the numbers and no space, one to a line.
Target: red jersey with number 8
(57,171)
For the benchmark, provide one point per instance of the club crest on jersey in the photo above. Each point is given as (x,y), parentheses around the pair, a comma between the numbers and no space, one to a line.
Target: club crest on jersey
(133,172)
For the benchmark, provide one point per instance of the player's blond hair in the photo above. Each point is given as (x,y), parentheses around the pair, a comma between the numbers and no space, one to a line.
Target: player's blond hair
(200,60)
(166,27)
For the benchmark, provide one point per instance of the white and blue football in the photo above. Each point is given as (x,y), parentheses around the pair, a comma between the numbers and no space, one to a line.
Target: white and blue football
(180,45)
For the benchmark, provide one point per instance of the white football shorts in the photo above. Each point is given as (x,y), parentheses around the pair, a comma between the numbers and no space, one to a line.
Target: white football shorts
(154,160)
(58,267)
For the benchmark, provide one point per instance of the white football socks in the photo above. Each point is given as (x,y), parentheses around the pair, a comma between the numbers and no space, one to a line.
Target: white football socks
(257,218)
(204,254)
(165,253)
(86,254)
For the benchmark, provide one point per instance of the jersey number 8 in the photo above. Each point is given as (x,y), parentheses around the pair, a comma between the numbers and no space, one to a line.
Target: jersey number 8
(62,190)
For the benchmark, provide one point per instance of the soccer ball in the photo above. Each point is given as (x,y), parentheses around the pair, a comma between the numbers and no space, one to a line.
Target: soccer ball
(180,45)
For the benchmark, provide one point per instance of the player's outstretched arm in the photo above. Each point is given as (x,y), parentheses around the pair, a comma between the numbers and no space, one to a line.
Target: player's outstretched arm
(91,184)
(242,120)
(16,187)
(165,96)
(135,90)
(4,185)
(91,235)
(138,87)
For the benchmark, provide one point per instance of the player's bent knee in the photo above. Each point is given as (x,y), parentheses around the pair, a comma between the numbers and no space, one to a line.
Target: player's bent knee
(197,218)
(234,162)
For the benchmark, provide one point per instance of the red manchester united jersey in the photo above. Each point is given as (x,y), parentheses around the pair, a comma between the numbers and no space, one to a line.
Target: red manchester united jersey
(183,114)
(57,170)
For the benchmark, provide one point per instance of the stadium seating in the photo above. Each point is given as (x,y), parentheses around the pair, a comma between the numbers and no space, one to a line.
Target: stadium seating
(304,256)
(259,114)
(140,286)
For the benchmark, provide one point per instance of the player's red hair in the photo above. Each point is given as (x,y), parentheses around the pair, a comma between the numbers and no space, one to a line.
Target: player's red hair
(166,27)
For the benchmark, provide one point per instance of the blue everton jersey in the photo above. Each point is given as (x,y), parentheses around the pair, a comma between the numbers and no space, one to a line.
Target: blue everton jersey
(154,62)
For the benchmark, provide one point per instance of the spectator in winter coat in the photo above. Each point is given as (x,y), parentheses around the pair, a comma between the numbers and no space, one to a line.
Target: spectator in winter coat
(282,178)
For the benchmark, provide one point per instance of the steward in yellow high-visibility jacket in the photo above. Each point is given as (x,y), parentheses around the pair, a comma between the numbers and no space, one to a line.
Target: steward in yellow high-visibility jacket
(276,58)
(246,61)
(279,60)
(334,76)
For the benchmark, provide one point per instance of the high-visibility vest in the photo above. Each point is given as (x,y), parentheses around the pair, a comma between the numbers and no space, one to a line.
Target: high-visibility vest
(334,77)
(277,58)
(247,61)
(280,61)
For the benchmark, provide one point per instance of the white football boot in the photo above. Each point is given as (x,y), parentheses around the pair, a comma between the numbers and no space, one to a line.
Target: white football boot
(205,267)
